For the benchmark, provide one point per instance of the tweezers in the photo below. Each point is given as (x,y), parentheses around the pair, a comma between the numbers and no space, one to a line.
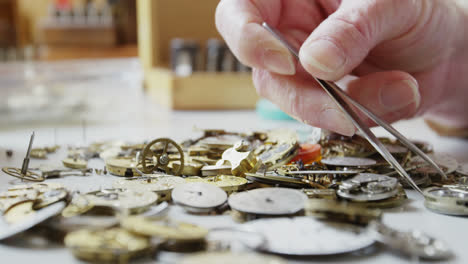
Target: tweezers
(344,102)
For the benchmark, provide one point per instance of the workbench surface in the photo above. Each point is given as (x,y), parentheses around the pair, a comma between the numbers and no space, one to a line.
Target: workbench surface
(144,121)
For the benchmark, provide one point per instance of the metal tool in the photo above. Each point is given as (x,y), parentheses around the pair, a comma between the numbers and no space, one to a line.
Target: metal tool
(24,167)
(344,102)
(24,173)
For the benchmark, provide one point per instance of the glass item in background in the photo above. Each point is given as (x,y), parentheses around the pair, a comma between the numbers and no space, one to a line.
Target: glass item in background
(229,62)
(80,12)
(214,54)
(185,56)
(69,91)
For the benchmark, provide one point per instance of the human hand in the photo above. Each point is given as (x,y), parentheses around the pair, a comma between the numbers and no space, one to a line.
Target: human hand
(410,56)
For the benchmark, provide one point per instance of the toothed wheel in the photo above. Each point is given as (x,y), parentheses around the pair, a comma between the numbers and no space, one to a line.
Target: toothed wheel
(156,155)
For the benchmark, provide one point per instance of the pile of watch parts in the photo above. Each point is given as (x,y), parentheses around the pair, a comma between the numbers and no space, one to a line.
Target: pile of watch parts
(287,198)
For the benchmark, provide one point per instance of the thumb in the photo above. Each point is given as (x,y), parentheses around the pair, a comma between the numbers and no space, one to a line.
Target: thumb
(343,40)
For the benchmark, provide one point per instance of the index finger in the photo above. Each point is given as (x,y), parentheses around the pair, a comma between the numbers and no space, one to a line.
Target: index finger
(239,22)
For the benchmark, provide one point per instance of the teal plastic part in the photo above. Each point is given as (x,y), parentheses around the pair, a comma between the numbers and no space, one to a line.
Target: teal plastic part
(269,111)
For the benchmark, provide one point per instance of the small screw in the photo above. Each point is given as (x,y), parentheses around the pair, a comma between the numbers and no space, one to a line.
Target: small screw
(9,153)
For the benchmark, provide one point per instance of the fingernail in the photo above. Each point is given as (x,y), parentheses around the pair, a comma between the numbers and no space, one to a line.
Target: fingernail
(335,120)
(323,55)
(398,95)
(279,62)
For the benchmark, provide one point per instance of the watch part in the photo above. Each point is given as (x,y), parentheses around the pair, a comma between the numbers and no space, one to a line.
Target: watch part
(328,194)
(274,179)
(341,212)
(189,169)
(75,163)
(156,156)
(124,167)
(226,182)
(349,162)
(79,204)
(306,236)
(268,201)
(167,229)
(110,245)
(199,196)
(214,170)
(392,202)
(462,169)
(446,200)
(368,187)
(123,200)
(33,219)
(447,163)
(240,161)
(162,185)
(28,176)
(413,243)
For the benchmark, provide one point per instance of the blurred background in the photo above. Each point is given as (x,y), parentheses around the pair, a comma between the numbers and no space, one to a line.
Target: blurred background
(63,61)
(49,30)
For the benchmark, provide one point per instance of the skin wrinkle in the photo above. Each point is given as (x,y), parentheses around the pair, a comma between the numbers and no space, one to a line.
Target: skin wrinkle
(358,38)
(429,39)
(350,33)
(397,51)
(430,98)
(321,10)
(412,24)
(357,26)
(401,22)
(310,17)
(329,6)
(265,15)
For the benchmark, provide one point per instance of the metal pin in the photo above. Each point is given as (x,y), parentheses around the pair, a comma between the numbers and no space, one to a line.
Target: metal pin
(25,166)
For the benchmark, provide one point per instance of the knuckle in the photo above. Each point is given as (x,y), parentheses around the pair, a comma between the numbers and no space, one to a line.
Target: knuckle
(354,30)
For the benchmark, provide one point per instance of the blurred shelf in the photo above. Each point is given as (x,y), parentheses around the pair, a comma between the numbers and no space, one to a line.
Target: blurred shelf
(52,53)
(77,35)
(160,21)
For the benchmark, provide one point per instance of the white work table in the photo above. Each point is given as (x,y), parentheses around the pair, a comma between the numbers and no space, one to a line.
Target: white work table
(144,121)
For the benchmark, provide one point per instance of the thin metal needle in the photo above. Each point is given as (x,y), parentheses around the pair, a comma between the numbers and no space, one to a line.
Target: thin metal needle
(25,166)
(331,89)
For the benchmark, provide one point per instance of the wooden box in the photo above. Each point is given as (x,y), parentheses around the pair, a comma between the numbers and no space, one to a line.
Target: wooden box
(75,35)
(159,21)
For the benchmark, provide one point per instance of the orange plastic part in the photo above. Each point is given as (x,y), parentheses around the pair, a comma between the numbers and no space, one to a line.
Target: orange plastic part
(308,153)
